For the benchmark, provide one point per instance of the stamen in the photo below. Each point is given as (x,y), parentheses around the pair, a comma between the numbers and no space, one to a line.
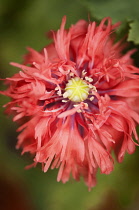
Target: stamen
(65,95)
(89,79)
(84,73)
(91,86)
(79,110)
(92,98)
(85,105)
(71,74)
(59,93)
(77,89)
(75,105)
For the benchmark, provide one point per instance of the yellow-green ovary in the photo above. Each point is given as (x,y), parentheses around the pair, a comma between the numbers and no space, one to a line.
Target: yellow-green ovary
(77,90)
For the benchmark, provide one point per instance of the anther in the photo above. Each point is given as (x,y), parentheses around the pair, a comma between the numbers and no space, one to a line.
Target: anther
(89,79)
(91,98)
(71,74)
(64,101)
(84,73)
(65,95)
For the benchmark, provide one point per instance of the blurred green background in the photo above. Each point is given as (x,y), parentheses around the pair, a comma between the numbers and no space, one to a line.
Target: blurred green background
(25,23)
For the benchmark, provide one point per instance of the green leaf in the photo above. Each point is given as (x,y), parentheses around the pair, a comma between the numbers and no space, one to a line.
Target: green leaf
(118,10)
(134,32)
(124,11)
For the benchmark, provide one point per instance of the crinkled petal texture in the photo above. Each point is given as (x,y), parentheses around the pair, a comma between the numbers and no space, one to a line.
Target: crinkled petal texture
(74,134)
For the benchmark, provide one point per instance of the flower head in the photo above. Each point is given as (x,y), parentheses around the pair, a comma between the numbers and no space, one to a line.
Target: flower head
(77,101)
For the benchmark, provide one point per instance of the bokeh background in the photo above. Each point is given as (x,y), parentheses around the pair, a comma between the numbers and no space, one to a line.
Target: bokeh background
(26,23)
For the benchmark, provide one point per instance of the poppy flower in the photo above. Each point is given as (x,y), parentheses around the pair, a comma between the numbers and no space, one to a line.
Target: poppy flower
(77,101)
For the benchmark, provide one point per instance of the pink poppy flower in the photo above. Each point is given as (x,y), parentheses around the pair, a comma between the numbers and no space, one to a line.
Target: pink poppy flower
(77,101)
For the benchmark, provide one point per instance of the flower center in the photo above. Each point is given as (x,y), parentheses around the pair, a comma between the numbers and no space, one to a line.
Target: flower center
(77,90)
